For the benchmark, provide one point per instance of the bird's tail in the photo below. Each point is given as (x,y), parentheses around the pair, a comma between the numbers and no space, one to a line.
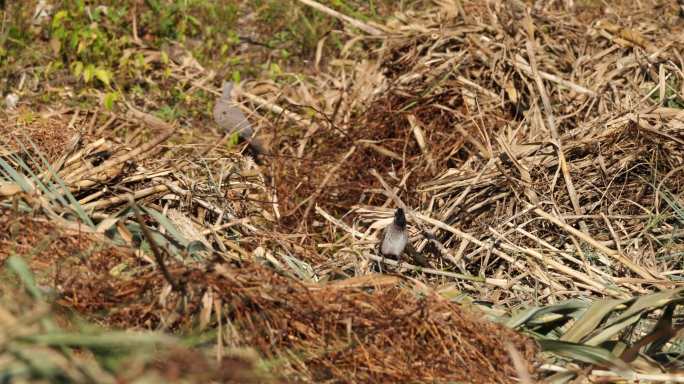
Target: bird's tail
(256,149)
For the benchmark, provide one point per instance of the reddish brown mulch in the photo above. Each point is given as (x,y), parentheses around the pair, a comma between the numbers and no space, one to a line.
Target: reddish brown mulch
(385,333)
(51,133)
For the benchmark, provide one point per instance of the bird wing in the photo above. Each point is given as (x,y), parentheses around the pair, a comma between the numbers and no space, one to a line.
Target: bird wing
(378,245)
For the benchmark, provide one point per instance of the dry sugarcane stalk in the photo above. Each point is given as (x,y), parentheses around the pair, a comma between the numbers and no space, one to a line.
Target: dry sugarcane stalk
(117,200)
(605,250)
(358,24)
(501,283)
(144,150)
(551,122)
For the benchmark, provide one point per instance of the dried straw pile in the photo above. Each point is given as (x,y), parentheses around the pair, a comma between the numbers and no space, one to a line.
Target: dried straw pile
(540,154)
(372,328)
(543,151)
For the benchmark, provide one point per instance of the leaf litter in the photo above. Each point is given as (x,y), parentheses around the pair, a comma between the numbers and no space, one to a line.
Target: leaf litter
(539,150)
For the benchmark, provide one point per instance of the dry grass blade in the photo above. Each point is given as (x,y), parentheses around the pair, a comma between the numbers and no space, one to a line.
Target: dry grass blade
(605,250)
(536,148)
(356,23)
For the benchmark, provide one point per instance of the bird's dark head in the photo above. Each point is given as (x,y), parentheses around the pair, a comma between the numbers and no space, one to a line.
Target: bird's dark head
(400,218)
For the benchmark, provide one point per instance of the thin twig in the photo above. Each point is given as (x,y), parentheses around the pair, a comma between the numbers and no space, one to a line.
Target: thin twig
(154,247)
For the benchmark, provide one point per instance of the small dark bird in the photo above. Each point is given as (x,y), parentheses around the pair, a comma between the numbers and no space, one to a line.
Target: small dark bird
(395,240)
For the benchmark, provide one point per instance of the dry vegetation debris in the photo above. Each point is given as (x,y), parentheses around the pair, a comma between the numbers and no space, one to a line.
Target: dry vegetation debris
(539,150)
(368,329)
(547,138)
(50,132)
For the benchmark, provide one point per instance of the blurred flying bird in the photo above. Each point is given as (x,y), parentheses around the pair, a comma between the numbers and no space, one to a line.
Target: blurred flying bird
(229,117)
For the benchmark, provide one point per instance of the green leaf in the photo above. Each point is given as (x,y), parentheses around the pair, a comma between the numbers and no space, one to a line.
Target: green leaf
(234,138)
(539,314)
(275,70)
(653,301)
(81,46)
(155,5)
(58,17)
(103,75)
(15,176)
(587,354)
(77,68)
(590,319)
(54,190)
(74,40)
(193,20)
(109,99)
(88,73)
(631,315)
